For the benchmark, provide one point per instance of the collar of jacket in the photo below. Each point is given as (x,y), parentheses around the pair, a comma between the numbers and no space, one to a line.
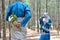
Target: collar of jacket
(17,0)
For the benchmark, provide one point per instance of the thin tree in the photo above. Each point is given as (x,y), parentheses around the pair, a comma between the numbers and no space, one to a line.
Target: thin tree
(58,17)
(39,12)
(0,25)
(37,16)
(3,19)
(46,5)
(9,26)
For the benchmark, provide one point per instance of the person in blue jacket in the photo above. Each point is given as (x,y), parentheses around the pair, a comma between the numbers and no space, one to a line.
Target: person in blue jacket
(45,23)
(23,13)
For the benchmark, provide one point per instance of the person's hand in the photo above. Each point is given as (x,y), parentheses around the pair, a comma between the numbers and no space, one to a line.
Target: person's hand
(18,25)
(15,23)
(46,21)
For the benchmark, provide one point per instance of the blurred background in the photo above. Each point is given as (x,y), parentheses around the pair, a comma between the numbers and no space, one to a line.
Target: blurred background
(38,7)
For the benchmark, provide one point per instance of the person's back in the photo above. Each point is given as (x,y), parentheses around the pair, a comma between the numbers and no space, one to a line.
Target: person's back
(18,8)
(22,11)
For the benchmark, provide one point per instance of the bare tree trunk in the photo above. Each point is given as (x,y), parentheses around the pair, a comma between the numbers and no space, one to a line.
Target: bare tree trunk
(58,17)
(46,5)
(33,5)
(34,15)
(39,8)
(9,26)
(0,20)
(39,12)
(32,22)
(37,16)
(0,25)
(3,19)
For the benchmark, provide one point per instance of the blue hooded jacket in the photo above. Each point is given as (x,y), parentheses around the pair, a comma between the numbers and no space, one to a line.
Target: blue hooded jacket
(47,25)
(20,9)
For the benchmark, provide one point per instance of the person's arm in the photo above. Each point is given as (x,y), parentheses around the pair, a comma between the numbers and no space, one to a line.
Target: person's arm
(27,16)
(41,22)
(49,24)
(45,29)
(8,12)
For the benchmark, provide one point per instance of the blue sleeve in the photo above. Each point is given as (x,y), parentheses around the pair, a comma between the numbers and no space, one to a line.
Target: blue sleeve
(8,12)
(41,21)
(49,23)
(27,16)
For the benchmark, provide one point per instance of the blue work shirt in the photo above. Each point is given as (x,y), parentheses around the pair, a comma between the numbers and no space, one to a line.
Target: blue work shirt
(20,9)
(47,25)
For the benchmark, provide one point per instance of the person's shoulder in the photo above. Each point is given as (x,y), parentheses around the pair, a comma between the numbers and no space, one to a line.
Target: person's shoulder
(11,4)
(25,4)
(49,18)
(41,17)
